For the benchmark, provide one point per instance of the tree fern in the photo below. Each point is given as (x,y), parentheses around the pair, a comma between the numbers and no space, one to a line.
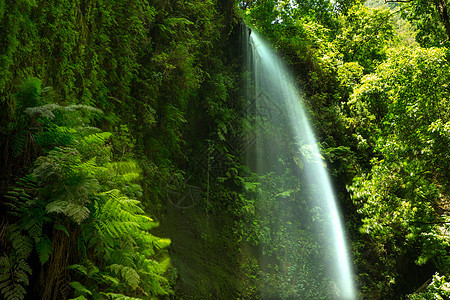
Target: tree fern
(77,189)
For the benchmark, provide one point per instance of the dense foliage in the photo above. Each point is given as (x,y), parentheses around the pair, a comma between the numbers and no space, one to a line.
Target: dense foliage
(94,99)
(117,117)
(381,104)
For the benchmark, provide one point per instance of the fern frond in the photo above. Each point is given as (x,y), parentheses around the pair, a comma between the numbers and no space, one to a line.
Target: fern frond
(130,275)
(19,142)
(75,211)
(33,225)
(86,108)
(130,177)
(27,181)
(13,277)
(80,268)
(124,167)
(5,265)
(164,263)
(21,244)
(18,200)
(57,165)
(114,296)
(62,228)
(14,291)
(29,93)
(45,111)
(93,270)
(147,223)
(54,136)
(97,138)
(21,270)
(89,165)
(107,279)
(79,288)
(150,266)
(122,256)
(87,130)
(161,243)
(65,129)
(44,249)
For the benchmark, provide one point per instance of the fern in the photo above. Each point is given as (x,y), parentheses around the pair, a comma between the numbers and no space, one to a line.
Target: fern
(85,108)
(79,288)
(110,280)
(33,226)
(80,268)
(122,228)
(14,273)
(93,272)
(62,228)
(97,138)
(161,243)
(45,111)
(77,212)
(44,249)
(29,94)
(126,167)
(21,244)
(130,275)
(26,233)
(76,180)
(19,142)
(114,296)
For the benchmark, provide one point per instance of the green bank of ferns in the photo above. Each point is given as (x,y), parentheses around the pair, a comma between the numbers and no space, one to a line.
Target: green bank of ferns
(74,228)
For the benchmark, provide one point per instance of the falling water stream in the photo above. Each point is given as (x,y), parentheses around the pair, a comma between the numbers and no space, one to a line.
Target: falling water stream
(282,141)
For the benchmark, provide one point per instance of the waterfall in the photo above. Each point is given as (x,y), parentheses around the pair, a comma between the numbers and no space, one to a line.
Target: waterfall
(314,261)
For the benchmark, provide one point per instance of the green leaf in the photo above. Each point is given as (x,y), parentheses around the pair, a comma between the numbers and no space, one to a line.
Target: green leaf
(115,296)
(44,249)
(80,288)
(21,243)
(62,228)
(130,275)
(80,268)
(284,194)
(76,211)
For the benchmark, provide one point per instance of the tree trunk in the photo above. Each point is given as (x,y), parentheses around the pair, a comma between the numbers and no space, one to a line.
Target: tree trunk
(441,6)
